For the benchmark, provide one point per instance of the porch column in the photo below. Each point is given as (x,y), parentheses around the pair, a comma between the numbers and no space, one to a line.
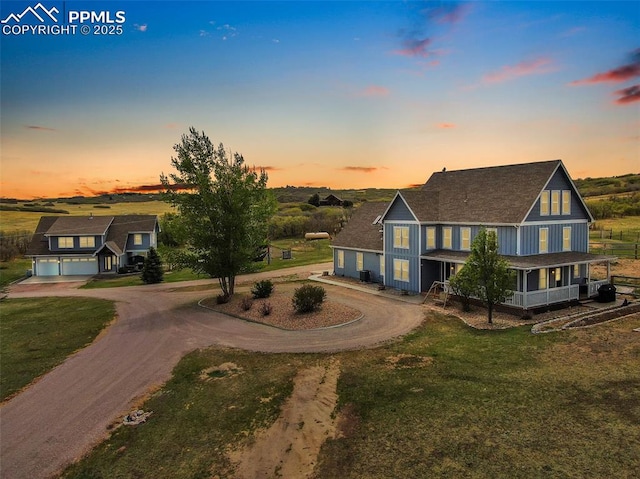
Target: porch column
(525,273)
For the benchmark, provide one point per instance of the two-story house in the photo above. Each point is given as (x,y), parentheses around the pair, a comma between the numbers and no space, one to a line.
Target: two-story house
(85,245)
(541,222)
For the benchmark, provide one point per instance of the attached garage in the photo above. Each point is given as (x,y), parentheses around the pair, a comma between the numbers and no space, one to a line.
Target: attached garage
(79,266)
(47,267)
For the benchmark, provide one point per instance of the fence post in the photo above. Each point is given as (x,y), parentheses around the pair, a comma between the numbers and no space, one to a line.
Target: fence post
(635,255)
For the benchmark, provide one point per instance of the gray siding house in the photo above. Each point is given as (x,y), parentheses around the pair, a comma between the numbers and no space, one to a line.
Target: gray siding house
(540,219)
(84,245)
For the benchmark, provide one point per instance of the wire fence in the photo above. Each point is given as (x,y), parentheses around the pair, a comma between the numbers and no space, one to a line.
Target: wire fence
(621,250)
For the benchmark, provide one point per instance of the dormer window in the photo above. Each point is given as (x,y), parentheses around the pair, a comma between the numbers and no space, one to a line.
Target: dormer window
(555,202)
(566,202)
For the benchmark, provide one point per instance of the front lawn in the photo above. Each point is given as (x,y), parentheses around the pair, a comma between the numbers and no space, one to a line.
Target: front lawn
(37,334)
(445,401)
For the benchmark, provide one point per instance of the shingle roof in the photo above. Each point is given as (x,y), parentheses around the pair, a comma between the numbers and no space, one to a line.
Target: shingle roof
(499,194)
(360,232)
(123,225)
(80,225)
(39,243)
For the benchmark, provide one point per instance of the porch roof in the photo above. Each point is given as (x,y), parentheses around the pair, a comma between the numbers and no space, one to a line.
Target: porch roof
(537,261)
(112,246)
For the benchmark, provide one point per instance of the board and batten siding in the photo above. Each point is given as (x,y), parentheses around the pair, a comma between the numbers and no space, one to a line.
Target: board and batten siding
(559,182)
(146,242)
(530,237)
(399,211)
(413,285)
(370,260)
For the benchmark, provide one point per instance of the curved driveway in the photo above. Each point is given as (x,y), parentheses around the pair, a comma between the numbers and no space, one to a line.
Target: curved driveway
(60,417)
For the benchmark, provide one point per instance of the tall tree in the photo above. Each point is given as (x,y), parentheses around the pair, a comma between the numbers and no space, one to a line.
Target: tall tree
(152,271)
(225,209)
(494,278)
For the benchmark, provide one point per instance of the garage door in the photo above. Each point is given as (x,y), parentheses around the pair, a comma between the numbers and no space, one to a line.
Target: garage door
(75,266)
(47,267)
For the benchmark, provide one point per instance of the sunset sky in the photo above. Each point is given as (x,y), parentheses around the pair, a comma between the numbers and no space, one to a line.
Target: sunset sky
(341,94)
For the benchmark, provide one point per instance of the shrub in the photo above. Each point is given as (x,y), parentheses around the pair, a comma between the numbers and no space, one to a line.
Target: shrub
(262,289)
(152,271)
(308,298)
(222,299)
(246,303)
(266,308)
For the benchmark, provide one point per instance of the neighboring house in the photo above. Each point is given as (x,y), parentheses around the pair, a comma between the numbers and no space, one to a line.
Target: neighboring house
(331,200)
(540,219)
(83,245)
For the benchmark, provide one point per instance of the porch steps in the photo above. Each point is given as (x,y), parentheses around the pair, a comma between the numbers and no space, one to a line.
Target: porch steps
(585,318)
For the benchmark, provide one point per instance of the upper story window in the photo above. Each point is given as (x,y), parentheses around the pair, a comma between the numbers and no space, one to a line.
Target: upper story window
(431,238)
(65,242)
(465,239)
(401,237)
(87,242)
(340,258)
(137,239)
(566,238)
(555,202)
(543,244)
(359,261)
(544,203)
(446,237)
(566,202)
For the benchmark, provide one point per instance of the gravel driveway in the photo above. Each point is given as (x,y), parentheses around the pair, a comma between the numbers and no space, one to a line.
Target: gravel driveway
(65,413)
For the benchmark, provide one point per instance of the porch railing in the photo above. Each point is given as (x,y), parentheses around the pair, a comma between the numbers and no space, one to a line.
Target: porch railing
(594,285)
(545,296)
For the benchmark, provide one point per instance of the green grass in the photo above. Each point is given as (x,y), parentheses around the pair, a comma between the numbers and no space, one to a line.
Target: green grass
(303,253)
(27,220)
(11,271)
(625,230)
(39,333)
(464,403)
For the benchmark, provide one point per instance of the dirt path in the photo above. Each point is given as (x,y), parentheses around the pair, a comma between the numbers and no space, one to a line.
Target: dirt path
(60,417)
(290,447)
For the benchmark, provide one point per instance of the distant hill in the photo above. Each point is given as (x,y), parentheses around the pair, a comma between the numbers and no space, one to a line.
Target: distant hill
(611,185)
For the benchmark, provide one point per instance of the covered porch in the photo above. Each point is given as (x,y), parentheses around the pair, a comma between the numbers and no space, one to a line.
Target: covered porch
(541,280)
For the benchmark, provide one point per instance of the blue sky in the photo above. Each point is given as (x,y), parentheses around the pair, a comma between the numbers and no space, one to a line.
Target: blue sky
(340,94)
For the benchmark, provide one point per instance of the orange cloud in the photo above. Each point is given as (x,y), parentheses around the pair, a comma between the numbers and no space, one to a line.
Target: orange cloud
(526,68)
(39,128)
(360,169)
(628,95)
(375,90)
(617,75)
(447,125)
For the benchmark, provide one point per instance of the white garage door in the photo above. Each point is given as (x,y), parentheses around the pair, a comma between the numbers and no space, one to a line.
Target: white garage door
(47,267)
(75,266)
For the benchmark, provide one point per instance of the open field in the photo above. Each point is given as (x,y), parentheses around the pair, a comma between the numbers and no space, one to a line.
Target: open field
(445,401)
(39,333)
(625,229)
(27,220)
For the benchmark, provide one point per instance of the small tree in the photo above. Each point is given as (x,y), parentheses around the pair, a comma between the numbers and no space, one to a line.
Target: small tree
(494,278)
(464,285)
(314,200)
(152,269)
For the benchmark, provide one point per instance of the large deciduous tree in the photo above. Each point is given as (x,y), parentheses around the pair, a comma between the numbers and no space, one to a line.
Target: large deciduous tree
(225,208)
(492,273)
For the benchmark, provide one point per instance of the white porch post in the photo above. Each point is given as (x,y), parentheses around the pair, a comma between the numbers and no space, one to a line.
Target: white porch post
(525,273)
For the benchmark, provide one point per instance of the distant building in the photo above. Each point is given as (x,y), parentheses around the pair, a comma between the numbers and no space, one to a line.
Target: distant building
(331,200)
(85,245)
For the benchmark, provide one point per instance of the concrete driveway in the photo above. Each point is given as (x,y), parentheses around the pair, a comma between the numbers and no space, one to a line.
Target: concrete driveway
(63,415)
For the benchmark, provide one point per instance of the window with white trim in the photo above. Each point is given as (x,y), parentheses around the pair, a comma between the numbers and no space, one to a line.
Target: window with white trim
(566,202)
(544,203)
(465,238)
(566,238)
(359,261)
(543,243)
(446,237)
(137,239)
(401,237)
(542,279)
(340,258)
(401,270)
(87,242)
(555,202)
(431,238)
(65,242)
